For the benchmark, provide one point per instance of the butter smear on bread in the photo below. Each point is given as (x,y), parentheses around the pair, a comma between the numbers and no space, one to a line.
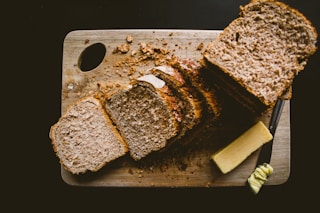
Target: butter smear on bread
(242,147)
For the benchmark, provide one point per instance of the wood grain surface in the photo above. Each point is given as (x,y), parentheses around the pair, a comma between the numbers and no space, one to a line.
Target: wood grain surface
(182,165)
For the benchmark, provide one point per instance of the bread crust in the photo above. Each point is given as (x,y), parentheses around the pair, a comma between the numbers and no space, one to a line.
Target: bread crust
(293,10)
(177,83)
(193,72)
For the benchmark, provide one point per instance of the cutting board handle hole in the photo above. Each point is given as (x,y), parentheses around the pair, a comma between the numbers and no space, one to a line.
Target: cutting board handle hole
(91,57)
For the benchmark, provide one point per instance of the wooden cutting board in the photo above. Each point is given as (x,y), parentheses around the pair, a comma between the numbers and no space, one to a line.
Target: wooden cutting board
(127,54)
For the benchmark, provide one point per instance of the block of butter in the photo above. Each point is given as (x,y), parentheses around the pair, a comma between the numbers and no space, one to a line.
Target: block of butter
(242,147)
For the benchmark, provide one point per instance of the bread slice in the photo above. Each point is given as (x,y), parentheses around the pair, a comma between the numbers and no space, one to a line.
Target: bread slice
(257,55)
(85,139)
(190,104)
(207,91)
(146,116)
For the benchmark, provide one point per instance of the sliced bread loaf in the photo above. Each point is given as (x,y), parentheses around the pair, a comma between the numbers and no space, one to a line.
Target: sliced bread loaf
(147,117)
(257,55)
(190,104)
(84,138)
(207,91)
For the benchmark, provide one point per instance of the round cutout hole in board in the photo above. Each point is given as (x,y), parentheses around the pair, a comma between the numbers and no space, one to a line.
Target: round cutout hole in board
(91,57)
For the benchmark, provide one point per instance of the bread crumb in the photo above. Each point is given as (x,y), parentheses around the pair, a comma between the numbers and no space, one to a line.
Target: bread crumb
(146,48)
(124,48)
(164,42)
(151,168)
(163,167)
(130,171)
(129,39)
(133,53)
(208,184)
(200,46)
(70,86)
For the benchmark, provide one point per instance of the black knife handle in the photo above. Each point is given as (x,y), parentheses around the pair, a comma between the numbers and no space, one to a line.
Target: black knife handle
(275,117)
(266,150)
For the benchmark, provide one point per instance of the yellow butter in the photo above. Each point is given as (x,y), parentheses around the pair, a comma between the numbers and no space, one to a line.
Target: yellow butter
(241,148)
(259,177)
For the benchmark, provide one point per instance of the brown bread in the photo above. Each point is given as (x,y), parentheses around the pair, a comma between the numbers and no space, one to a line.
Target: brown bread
(85,139)
(147,116)
(257,55)
(191,105)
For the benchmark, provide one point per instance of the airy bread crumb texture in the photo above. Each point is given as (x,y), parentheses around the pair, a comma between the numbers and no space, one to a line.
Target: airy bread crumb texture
(143,119)
(84,137)
(264,48)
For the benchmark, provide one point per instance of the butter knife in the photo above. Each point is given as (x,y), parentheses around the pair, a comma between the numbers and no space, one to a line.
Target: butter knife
(263,169)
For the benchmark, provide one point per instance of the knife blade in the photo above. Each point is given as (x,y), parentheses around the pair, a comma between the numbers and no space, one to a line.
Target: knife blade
(263,169)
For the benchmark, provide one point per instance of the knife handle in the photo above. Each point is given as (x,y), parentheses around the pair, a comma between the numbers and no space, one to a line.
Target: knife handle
(275,117)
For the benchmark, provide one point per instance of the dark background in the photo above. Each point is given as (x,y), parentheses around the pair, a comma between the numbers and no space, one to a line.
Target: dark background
(32,91)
